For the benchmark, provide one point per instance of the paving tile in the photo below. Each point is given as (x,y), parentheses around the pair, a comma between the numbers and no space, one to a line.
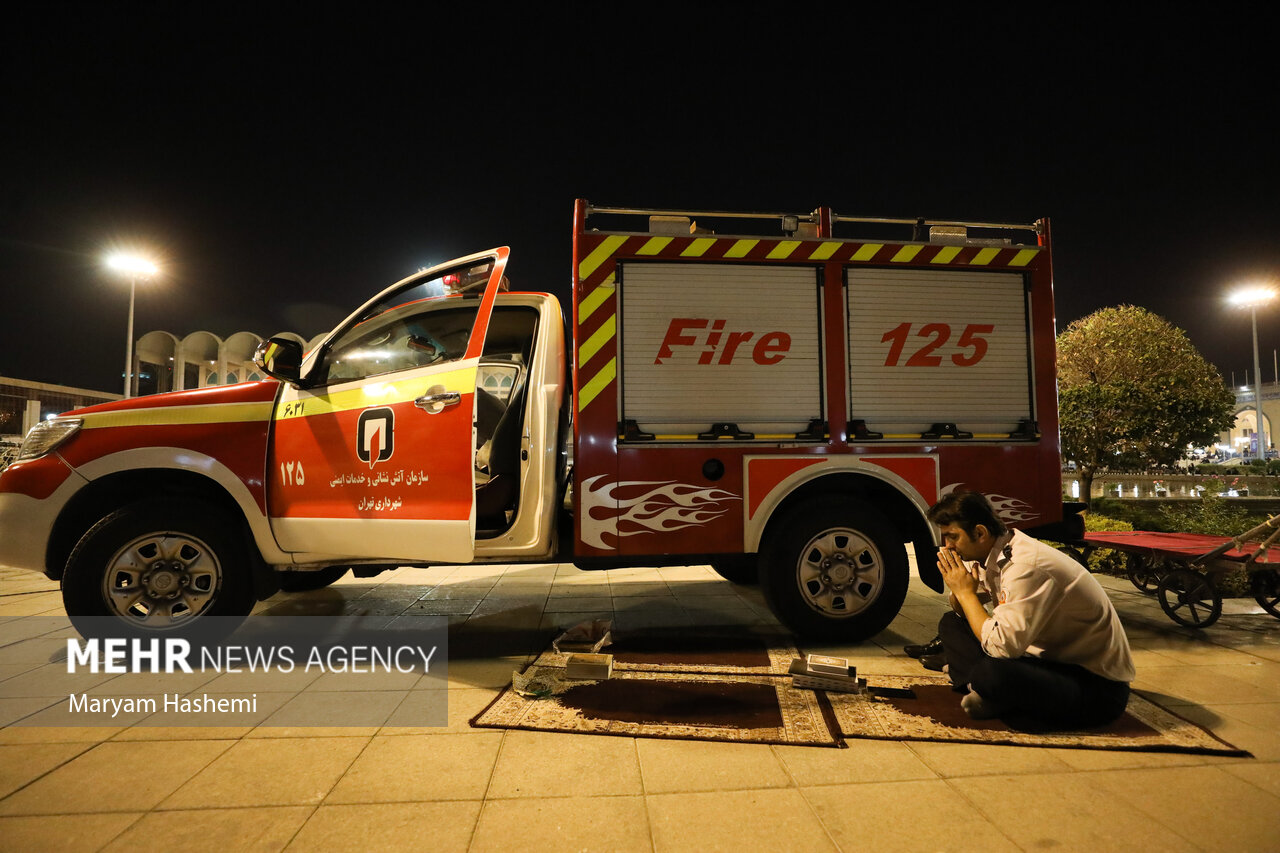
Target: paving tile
(388,827)
(1202,804)
(775,820)
(906,816)
(437,711)
(115,777)
(1122,759)
(970,759)
(420,768)
(576,603)
(863,761)
(668,766)
(1261,774)
(1067,811)
(214,830)
(1195,685)
(563,823)
(21,764)
(632,589)
(68,833)
(269,772)
(550,764)
(557,622)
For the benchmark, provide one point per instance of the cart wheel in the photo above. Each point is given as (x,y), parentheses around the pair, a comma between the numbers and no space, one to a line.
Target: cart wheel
(1266,590)
(1189,598)
(1143,573)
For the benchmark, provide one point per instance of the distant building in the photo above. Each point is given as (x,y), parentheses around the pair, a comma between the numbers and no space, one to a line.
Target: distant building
(165,362)
(162,362)
(23,404)
(1240,437)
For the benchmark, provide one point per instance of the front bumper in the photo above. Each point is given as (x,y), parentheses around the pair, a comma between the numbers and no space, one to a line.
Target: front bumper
(32,495)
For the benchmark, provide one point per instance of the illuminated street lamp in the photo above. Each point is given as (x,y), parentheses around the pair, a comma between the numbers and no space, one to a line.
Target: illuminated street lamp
(136,268)
(1252,298)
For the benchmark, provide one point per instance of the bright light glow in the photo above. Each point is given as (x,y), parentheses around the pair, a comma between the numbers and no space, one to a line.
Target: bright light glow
(1251,297)
(131,264)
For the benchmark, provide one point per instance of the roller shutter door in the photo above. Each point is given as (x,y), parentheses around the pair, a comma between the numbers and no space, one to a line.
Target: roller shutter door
(929,346)
(720,343)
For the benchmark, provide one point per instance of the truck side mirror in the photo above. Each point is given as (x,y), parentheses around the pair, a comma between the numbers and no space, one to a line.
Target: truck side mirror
(280,358)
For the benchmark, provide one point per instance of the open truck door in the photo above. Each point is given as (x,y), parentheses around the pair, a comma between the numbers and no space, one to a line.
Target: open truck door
(372,450)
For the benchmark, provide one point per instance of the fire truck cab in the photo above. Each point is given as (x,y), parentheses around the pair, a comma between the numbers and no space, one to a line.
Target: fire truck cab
(784,406)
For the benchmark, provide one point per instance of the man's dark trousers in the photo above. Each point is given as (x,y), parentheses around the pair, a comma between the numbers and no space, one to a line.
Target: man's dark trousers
(1059,694)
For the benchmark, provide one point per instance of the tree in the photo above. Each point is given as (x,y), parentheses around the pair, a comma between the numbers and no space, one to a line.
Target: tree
(1133,391)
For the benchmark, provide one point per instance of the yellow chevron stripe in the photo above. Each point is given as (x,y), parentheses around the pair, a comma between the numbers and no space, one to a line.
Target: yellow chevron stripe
(599,338)
(867,252)
(698,247)
(654,246)
(824,251)
(597,383)
(945,255)
(783,249)
(596,298)
(741,248)
(1024,257)
(215,413)
(601,253)
(905,254)
(984,257)
(461,379)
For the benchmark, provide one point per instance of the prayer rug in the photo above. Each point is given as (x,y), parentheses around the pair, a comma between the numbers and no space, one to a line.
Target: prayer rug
(935,715)
(685,705)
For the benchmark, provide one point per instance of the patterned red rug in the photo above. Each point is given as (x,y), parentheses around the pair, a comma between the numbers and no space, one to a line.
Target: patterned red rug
(735,688)
(935,715)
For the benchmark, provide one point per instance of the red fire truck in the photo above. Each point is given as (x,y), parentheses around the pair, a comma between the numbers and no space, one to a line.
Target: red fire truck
(784,407)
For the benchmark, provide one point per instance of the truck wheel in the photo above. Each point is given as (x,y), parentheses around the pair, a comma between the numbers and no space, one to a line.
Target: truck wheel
(744,570)
(158,567)
(835,569)
(308,581)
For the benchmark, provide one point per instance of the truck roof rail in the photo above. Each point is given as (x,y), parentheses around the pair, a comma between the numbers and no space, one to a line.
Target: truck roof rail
(922,230)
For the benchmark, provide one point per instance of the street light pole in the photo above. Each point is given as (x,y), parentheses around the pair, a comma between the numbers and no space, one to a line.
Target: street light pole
(1257,385)
(136,268)
(128,340)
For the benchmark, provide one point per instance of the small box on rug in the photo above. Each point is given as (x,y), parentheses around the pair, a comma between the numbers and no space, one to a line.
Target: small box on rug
(588,667)
(589,636)
(820,672)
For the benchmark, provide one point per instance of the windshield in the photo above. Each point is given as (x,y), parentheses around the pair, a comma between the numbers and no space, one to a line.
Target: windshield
(425,322)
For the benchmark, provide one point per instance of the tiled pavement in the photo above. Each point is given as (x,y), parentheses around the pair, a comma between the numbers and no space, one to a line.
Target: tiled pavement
(458,788)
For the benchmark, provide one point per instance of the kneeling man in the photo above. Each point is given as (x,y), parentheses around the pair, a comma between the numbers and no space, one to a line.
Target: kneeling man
(1052,650)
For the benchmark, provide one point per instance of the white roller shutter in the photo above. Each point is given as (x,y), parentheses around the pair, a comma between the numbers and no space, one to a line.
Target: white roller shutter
(929,346)
(742,347)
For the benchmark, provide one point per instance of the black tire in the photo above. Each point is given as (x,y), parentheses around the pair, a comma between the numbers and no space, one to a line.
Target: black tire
(744,570)
(835,569)
(159,567)
(308,581)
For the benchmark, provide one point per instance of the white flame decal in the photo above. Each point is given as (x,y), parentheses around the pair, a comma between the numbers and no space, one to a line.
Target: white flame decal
(663,506)
(1007,509)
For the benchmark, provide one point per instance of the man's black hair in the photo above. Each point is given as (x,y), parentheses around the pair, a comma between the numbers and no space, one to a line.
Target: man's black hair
(967,510)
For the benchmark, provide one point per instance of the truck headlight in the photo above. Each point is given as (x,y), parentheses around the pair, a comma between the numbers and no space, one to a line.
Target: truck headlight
(47,435)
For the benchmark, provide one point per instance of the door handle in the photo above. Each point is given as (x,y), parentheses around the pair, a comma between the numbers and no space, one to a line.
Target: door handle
(436,399)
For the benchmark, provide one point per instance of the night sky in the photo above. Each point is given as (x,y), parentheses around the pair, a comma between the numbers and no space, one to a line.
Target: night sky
(285,169)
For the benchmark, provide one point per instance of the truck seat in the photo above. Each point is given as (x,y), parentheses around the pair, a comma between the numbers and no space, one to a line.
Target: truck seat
(498,484)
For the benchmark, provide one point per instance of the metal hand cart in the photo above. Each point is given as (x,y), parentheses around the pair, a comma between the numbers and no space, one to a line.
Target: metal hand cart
(1179,568)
